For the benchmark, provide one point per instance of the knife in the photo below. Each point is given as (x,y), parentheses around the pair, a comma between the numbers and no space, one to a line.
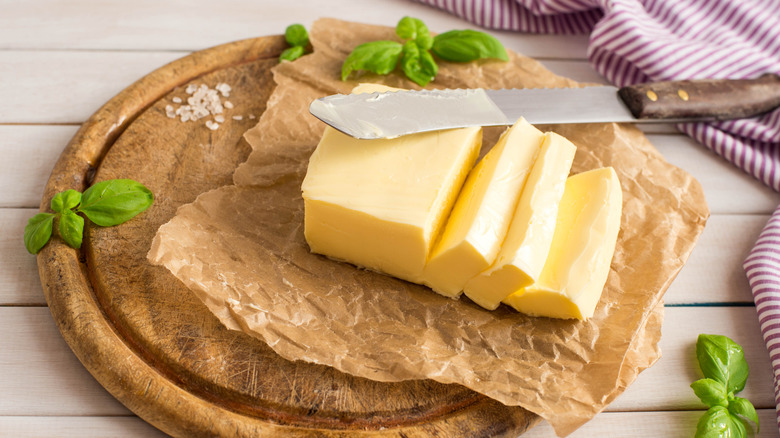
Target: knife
(396,113)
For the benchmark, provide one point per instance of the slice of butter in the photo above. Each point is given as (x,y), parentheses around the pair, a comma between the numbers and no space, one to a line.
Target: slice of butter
(524,251)
(380,204)
(576,270)
(483,211)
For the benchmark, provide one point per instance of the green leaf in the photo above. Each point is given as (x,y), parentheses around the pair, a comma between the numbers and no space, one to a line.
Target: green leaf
(742,407)
(467,45)
(38,232)
(718,423)
(414,29)
(115,201)
(711,392)
(65,200)
(418,65)
(71,228)
(723,360)
(291,53)
(296,35)
(379,57)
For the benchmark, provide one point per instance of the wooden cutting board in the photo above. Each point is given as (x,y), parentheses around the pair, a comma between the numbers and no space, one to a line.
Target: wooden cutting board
(151,343)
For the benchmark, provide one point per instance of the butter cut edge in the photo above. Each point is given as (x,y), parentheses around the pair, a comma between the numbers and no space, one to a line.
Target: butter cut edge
(576,271)
(379,204)
(529,238)
(483,211)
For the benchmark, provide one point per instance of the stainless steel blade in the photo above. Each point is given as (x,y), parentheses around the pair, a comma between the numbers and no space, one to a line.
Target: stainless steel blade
(396,113)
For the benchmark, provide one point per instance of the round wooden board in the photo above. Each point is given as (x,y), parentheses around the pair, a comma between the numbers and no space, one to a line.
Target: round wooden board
(151,343)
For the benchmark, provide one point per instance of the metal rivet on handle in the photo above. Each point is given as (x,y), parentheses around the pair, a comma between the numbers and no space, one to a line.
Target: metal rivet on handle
(683,95)
(651,95)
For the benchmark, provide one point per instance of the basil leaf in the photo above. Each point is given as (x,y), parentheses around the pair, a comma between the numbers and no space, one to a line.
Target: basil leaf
(418,65)
(379,57)
(414,29)
(71,228)
(717,423)
(38,232)
(742,407)
(738,426)
(296,35)
(65,200)
(711,392)
(467,45)
(115,201)
(723,360)
(291,53)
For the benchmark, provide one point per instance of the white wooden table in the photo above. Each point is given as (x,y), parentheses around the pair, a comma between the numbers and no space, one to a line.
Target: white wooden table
(61,59)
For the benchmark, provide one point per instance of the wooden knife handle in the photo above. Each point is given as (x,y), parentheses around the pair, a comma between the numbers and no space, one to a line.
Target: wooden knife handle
(712,99)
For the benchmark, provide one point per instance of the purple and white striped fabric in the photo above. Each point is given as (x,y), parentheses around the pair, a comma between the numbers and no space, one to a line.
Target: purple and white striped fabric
(635,41)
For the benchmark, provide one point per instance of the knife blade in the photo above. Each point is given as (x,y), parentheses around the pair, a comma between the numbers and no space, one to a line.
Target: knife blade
(395,113)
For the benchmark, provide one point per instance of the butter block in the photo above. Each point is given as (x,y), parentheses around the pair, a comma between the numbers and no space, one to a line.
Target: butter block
(577,267)
(520,261)
(483,211)
(380,204)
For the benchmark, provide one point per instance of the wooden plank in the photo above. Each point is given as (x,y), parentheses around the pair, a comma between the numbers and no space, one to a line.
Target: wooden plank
(607,424)
(152,25)
(83,82)
(77,427)
(666,385)
(728,188)
(648,425)
(19,280)
(713,273)
(29,153)
(40,375)
(87,79)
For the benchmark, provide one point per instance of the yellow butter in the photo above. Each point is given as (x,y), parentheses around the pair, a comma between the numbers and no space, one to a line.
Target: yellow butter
(380,204)
(577,267)
(524,251)
(483,211)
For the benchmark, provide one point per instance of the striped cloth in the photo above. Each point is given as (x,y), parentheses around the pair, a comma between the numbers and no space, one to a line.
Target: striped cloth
(635,41)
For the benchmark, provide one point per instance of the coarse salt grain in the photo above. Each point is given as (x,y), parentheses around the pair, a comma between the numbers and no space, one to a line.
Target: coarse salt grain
(202,102)
(238,117)
(223,88)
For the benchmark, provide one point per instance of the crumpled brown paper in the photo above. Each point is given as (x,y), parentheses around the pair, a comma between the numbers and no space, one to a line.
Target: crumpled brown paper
(241,250)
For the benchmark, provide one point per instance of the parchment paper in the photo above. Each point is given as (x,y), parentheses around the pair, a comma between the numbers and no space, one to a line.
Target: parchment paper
(241,250)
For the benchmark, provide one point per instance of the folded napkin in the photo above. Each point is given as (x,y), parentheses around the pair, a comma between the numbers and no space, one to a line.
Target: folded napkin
(635,41)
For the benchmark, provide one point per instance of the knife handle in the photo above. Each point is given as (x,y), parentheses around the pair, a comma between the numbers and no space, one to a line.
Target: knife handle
(713,99)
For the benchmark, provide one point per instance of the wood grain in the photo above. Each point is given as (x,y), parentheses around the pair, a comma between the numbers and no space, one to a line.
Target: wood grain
(87,79)
(19,283)
(608,424)
(713,274)
(154,25)
(25,176)
(151,343)
(84,81)
(45,379)
(709,99)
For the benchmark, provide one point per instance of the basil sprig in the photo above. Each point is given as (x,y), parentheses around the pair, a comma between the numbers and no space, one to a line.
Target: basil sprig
(298,39)
(416,52)
(106,203)
(722,361)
